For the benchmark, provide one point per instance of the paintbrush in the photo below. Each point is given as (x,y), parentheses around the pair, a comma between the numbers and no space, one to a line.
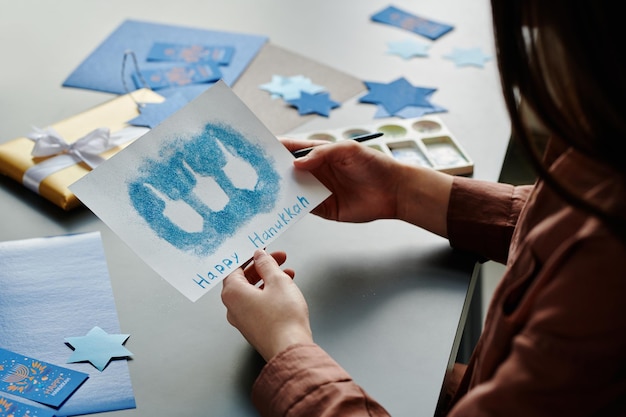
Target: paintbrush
(362,138)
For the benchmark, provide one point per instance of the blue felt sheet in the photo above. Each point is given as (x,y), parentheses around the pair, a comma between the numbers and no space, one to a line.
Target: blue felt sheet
(101,70)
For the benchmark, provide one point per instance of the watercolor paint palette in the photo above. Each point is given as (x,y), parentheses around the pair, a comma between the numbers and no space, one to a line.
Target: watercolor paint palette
(424,141)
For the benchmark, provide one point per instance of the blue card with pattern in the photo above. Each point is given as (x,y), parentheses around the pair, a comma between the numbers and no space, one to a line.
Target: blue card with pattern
(9,407)
(162,51)
(37,380)
(178,76)
(408,21)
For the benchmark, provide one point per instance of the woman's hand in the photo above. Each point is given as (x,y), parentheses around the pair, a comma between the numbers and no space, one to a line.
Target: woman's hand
(273,316)
(369,185)
(364,182)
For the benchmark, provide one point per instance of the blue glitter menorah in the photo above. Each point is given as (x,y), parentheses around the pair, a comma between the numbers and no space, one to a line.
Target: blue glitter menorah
(202,190)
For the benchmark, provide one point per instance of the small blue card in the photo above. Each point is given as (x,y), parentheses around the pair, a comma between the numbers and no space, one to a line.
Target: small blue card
(162,51)
(178,76)
(404,20)
(37,380)
(9,407)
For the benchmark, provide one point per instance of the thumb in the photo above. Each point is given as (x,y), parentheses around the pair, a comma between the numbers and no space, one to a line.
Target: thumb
(312,160)
(267,267)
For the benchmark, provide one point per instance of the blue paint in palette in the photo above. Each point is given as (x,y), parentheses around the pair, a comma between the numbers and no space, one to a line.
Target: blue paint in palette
(173,179)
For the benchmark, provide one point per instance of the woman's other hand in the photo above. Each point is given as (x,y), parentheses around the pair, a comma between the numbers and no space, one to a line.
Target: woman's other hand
(369,185)
(272,316)
(361,179)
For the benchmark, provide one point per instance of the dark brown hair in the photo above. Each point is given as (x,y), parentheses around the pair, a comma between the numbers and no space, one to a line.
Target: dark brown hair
(562,58)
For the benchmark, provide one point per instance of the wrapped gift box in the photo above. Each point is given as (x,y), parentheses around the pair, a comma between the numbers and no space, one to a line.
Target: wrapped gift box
(17,161)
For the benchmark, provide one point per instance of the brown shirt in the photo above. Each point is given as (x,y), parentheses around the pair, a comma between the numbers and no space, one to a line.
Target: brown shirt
(554,341)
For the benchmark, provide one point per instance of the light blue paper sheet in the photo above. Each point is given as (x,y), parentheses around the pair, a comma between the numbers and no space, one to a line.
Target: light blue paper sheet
(56,287)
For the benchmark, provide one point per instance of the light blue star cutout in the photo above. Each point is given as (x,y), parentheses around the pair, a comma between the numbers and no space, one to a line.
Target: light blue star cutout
(314,103)
(289,88)
(98,347)
(468,57)
(274,86)
(408,49)
(397,95)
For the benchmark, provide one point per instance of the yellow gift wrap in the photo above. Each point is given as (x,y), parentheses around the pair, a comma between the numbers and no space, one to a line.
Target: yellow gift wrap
(17,161)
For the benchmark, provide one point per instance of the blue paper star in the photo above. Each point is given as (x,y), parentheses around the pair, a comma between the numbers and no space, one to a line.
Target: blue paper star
(98,347)
(289,88)
(397,95)
(154,113)
(408,48)
(466,57)
(314,103)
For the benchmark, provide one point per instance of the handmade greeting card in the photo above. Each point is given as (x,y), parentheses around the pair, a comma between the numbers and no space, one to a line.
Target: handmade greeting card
(200,192)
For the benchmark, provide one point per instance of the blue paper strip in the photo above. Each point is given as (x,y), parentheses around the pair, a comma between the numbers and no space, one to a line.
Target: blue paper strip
(10,407)
(404,20)
(172,52)
(178,76)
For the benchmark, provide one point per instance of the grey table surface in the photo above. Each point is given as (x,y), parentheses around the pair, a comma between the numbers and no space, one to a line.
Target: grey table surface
(386,299)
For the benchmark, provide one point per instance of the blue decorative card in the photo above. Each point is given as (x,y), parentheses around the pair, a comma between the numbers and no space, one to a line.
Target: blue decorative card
(178,76)
(161,51)
(408,21)
(54,288)
(10,407)
(37,380)
(101,70)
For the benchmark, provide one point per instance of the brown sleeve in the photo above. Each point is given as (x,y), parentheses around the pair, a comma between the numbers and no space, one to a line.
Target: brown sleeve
(568,358)
(304,380)
(482,216)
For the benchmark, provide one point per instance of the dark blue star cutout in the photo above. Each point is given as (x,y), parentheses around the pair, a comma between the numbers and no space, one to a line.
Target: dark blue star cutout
(154,113)
(314,103)
(397,95)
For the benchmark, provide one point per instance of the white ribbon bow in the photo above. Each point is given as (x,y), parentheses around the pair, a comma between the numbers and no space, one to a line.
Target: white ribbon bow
(86,149)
